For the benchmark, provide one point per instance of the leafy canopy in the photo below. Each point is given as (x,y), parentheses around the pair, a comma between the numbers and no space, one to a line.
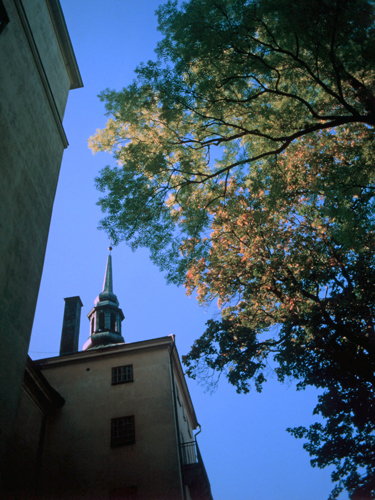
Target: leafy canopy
(246,164)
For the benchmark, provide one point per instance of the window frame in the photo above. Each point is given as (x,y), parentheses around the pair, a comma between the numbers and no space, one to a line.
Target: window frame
(122,440)
(101,321)
(121,380)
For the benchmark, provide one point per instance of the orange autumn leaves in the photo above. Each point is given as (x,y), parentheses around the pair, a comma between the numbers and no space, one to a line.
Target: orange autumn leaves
(282,237)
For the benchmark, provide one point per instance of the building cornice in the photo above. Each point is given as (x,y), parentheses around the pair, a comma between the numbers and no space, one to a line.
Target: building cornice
(41,71)
(100,352)
(65,43)
(66,48)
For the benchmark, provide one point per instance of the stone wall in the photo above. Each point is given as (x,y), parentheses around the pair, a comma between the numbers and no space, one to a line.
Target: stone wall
(34,84)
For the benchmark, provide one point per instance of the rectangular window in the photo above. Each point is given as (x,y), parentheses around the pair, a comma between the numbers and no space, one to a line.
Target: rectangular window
(101,321)
(122,431)
(122,374)
(4,20)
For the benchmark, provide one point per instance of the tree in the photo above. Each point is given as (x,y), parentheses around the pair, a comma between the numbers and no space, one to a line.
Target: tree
(307,265)
(246,166)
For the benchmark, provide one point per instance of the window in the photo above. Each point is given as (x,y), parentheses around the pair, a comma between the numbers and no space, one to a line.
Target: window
(4,19)
(122,431)
(113,322)
(101,321)
(122,374)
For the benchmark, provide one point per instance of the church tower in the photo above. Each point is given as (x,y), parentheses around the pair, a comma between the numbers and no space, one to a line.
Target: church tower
(125,406)
(106,316)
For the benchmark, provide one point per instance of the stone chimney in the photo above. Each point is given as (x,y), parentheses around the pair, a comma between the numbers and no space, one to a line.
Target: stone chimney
(70,329)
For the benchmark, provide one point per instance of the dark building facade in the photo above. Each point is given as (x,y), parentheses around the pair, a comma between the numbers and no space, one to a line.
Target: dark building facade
(37,70)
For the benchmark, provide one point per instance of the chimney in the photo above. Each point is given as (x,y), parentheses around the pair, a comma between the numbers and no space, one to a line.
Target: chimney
(70,329)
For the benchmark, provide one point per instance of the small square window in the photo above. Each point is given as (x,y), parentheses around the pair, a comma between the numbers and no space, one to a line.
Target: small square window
(122,374)
(122,431)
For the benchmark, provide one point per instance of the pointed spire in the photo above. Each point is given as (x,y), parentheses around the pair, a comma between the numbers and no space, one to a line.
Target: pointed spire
(106,316)
(107,292)
(108,280)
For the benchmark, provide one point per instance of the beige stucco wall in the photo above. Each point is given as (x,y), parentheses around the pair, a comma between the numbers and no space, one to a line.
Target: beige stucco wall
(32,141)
(79,461)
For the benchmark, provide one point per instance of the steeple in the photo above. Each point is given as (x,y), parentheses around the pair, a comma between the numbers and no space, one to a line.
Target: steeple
(106,316)
(107,292)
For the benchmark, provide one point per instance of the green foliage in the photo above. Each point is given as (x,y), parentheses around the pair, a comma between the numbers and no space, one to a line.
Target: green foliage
(239,80)
(246,164)
(231,345)
(347,439)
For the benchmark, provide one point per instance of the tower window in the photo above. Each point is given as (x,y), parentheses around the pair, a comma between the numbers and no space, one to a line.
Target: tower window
(113,322)
(122,431)
(92,326)
(101,321)
(122,374)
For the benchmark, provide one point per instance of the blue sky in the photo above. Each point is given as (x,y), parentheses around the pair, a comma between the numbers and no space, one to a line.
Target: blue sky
(247,453)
